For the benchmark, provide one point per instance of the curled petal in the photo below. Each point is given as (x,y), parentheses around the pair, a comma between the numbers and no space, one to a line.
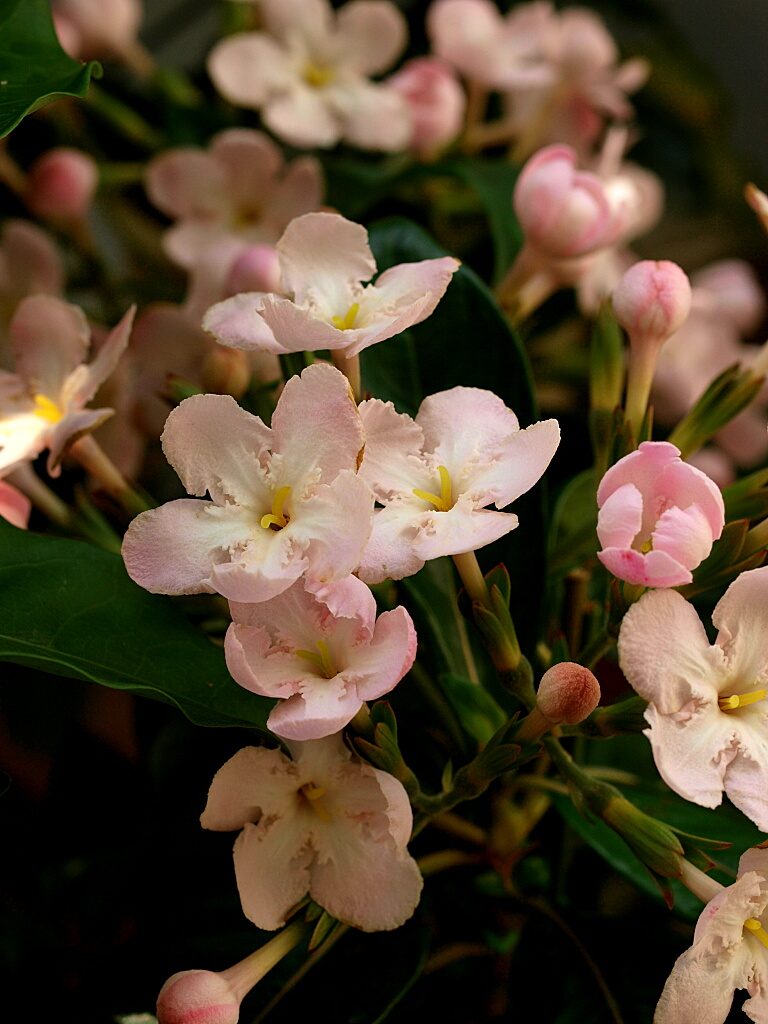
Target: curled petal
(620,517)
(255,781)
(68,430)
(379,666)
(323,708)
(739,616)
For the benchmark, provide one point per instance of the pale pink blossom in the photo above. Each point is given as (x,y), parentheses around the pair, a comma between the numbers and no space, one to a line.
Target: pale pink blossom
(285,501)
(324,260)
(729,952)
(30,264)
(658,518)
(707,713)
(309,72)
(436,475)
(43,404)
(321,823)
(236,194)
(320,665)
(61,185)
(435,99)
(15,507)
(97,28)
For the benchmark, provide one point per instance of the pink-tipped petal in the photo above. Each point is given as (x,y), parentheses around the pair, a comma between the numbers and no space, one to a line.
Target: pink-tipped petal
(620,517)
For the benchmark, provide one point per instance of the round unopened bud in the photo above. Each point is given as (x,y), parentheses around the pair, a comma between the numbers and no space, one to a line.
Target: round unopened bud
(197,997)
(256,269)
(226,371)
(61,185)
(568,693)
(435,99)
(652,301)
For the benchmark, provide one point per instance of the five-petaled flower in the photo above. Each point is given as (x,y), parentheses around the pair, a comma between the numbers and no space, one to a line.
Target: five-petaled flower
(436,474)
(285,501)
(321,823)
(707,713)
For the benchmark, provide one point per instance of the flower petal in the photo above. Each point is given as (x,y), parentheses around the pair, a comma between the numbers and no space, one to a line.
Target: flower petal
(700,991)
(250,161)
(389,553)
(654,569)
(348,598)
(372,116)
(237,323)
(49,339)
(684,534)
(336,524)
(740,618)
(372,34)
(303,117)
(263,568)
(70,429)
(246,68)
(187,183)
(393,463)
(379,666)
(254,782)
(462,528)
(15,507)
(514,467)
(665,654)
(103,365)
(620,517)
(746,778)
(300,191)
(323,708)
(215,446)
(462,424)
(272,869)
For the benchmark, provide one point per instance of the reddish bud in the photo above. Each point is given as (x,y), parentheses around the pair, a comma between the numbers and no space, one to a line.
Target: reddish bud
(652,301)
(435,99)
(61,185)
(567,693)
(197,997)
(256,269)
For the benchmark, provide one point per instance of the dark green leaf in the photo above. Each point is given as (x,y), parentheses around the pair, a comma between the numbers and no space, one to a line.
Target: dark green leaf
(494,183)
(71,610)
(467,341)
(573,534)
(33,67)
(476,709)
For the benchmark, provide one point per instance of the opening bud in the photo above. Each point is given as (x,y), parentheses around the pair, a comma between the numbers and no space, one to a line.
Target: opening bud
(61,185)
(256,269)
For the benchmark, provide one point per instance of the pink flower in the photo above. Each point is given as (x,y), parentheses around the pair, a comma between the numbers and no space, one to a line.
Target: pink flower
(30,264)
(436,474)
(237,194)
(97,28)
(436,101)
(658,517)
(321,823)
(320,664)
(15,507)
(728,953)
(652,301)
(324,260)
(707,715)
(286,501)
(43,404)
(61,185)
(309,72)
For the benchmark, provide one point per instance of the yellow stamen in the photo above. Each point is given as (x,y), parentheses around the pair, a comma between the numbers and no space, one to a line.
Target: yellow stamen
(739,700)
(318,76)
(646,547)
(753,925)
(442,502)
(314,794)
(346,322)
(321,661)
(277,518)
(47,409)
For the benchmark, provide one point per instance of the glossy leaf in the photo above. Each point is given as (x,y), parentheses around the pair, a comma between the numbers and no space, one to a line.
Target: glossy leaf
(71,610)
(34,70)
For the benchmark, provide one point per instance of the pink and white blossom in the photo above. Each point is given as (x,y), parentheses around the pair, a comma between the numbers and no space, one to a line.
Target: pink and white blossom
(285,501)
(97,28)
(43,404)
(324,260)
(321,823)
(707,713)
(729,952)
(436,101)
(309,73)
(320,665)
(236,194)
(658,518)
(436,475)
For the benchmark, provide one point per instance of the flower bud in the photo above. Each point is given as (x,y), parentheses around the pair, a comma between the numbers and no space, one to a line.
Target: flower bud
(61,185)
(256,269)
(652,841)
(564,213)
(435,99)
(226,371)
(567,693)
(197,997)
(652,301)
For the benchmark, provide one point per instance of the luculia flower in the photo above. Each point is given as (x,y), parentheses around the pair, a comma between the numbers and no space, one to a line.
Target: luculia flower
(708,712)
(43,404)
(284,501)
(321,823)
(436,475)
(321,666)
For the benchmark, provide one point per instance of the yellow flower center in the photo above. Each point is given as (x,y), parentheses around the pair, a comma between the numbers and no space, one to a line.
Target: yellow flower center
(320,659)
(47,409)
(277,519)
(753,925)
(314,796)
(442,502)
(346,322)
(318,76)
(740,700)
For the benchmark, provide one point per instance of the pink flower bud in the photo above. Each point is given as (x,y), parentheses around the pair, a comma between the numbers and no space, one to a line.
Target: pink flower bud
(658,518)
(436,101)
(652,301)
(61,185)
(198,997)
(564,212)
(567,693)
(256,269)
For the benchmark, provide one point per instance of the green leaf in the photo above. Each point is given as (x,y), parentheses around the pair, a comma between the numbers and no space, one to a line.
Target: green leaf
(494,182)
(573,534)
(433,601)
(467,341)
(476,709)
(71,610)
(34,70)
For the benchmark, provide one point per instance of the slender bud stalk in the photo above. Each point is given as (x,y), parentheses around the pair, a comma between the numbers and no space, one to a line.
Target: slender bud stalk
(699,883)
(472,577)
(350,367)
(95,461)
